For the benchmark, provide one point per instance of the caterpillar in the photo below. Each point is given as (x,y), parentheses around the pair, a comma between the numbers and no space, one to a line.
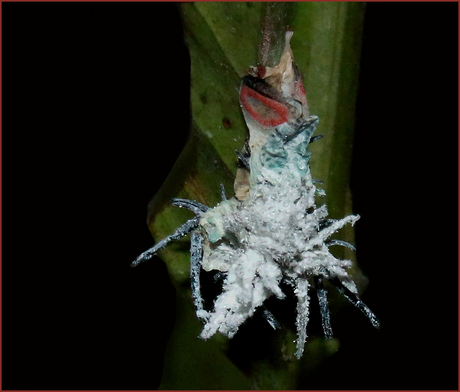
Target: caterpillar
(271,232)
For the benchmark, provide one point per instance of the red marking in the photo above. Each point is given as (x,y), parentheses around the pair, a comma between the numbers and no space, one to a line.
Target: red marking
(271,113)
(261,71)
(300,91)
(299,87)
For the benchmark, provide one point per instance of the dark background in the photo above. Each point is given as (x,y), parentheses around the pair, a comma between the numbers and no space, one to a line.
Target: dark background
(96,111)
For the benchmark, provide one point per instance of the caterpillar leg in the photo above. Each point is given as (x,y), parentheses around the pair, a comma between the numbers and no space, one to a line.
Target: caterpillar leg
(244,159)
(341,243)
(186,228)
(271,319)
(301,292)
(355,300)
(222,192)
(191,205)
(196,253)
(317,137)
(321,292)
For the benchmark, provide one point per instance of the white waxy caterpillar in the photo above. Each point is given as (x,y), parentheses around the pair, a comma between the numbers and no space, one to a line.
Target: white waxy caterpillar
(271,232)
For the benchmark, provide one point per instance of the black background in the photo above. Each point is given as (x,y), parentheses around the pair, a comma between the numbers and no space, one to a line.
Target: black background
(96,111)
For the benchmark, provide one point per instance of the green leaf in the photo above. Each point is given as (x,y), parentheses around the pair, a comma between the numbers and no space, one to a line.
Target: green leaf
(224,39)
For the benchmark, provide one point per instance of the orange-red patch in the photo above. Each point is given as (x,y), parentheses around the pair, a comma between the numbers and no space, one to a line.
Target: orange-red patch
(264,110)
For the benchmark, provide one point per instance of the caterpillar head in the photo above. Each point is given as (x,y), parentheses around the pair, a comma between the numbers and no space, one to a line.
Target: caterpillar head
(275,109)
(270,97)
